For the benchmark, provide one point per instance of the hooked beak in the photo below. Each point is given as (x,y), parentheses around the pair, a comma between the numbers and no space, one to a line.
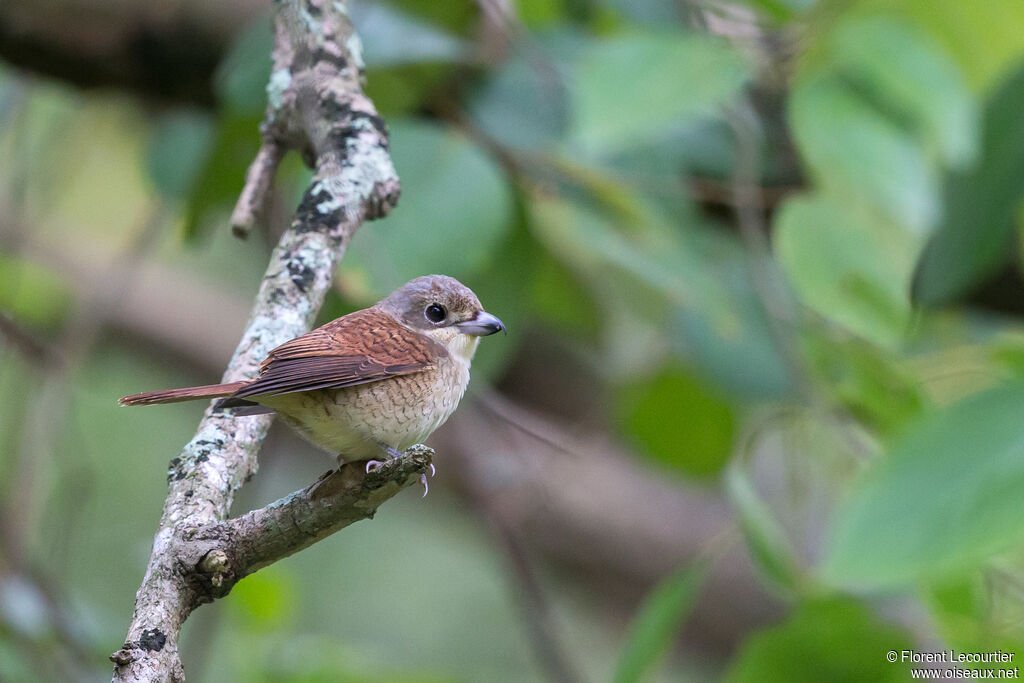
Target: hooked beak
(482,325)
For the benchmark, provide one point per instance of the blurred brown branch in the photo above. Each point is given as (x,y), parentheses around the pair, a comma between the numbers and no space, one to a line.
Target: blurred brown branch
(316,105)
(583,503)
(167,49)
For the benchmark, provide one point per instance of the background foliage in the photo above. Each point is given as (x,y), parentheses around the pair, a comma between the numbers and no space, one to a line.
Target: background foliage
(781,237)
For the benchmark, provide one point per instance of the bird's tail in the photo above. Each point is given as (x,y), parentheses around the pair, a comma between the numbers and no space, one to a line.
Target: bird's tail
(176,395)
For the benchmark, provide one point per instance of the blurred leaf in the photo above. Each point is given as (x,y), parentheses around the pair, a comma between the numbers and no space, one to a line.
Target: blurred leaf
(865,380)
(537,14)
(266,598)
(781,10)
(405,89)
(978,613)
(837,641)
(561,300)
(905,71)
(616,104)
(730,338)
(981,205)
(455,210)
(32,294)
(640,244)
(654,13)
(242,76)
(854,151)
(945,499)
(177,151)
(504,290)
(523,104)
(658,621)
(235,143)
(678,422)
(850,267)
(767,542)
(456,16)
(983,37)
(389,36)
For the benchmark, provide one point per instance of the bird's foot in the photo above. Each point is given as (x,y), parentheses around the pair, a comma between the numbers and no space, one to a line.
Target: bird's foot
(392,453)
(423,480)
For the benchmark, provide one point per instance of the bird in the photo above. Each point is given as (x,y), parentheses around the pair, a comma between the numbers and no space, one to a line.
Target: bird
(369,384)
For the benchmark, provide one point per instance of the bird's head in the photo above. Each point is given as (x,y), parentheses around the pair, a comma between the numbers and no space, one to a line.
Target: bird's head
(445,310)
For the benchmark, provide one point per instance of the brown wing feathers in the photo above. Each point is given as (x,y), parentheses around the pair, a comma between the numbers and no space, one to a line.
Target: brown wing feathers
(365,346)
(362,347)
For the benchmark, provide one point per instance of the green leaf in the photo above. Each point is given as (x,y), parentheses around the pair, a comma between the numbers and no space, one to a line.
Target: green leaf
(177,151)
(523,104)
(678,422)
(730,338)
(536,14)
(616,104)
(864,379)
(907,73)
(980,612)
(850,267)
(458,17)
(389,37)
(242,76)
(32,294)
(640,245)
(234,145)
(980,208)
(561,300)
(767,542)
(836,640)
(658,621)
(266,599)
(504,290)
(405,89)
(855,151)
(455,211)
(945,499)
(983,37)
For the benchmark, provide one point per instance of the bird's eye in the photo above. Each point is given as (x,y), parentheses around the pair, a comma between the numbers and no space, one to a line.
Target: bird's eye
(435,313)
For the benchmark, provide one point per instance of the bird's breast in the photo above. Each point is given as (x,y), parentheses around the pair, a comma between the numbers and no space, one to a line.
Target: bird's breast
(398,411)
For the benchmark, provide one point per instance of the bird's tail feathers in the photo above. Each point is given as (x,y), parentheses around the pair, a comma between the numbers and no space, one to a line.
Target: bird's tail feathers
(176,395)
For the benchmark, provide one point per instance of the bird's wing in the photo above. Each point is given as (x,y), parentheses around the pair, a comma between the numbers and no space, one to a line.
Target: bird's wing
(365,346)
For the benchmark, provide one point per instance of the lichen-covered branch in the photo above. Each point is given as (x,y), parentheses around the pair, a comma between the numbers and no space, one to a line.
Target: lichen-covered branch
(201,563)
(316,105)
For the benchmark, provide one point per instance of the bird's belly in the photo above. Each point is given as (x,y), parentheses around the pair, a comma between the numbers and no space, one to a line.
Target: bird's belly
(353,422)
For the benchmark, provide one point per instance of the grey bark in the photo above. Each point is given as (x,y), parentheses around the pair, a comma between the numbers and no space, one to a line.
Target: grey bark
(316,105)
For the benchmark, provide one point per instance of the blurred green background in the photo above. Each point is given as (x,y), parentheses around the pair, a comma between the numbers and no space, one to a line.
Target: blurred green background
(760,414)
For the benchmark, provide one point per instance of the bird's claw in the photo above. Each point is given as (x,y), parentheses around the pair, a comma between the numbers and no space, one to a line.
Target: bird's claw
(423,480)
(373,465)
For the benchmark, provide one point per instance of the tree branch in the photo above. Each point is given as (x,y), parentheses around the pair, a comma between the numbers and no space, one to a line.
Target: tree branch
(167,50)
(316,105)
